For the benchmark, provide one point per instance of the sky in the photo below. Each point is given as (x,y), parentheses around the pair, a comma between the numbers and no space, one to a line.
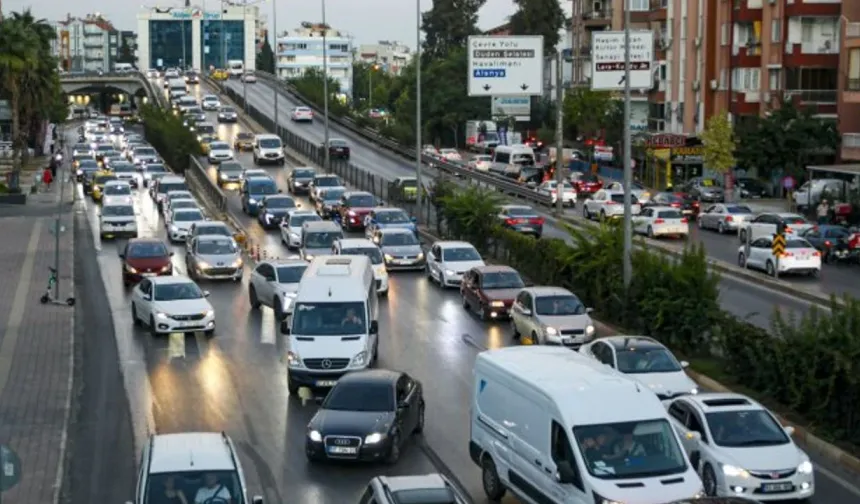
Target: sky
(368,21)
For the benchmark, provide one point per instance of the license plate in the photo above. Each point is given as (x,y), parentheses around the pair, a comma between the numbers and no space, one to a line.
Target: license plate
(189,324)
(526,228)
(326,383)
(776,487)
(567,341)
(342,450)
(148,274)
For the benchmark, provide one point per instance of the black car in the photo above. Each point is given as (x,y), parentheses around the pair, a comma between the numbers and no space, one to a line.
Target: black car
(337,148)
(832,241)
(88,165)
(229,172)
(368,415)
(704,189)
(521,219)
(716,500)
(273,209)
(752,188)
(192,78)
(327,205)
(299,179)
(685,203)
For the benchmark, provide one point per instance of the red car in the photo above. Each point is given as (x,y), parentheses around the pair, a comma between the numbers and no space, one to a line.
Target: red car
(145,257)
(586,183)
(354,207)
(490,290)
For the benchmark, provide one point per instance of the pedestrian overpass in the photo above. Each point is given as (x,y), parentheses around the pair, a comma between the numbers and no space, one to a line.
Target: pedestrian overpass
(131,83)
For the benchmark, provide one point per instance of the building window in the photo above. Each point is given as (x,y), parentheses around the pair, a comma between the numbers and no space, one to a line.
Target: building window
(854,70)
(775,30)
(222,41)
(338,47)
(724,34)
(811,79)
(639,5)
(774,79)
(684,28)
(170,43)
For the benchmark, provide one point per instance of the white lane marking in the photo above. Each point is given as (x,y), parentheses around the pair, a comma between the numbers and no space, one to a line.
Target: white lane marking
(838,480)
(267,327)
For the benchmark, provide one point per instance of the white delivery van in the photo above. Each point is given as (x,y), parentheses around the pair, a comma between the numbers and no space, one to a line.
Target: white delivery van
(236,68)
(177,87)
(508,159)
(333,328)
(550,425)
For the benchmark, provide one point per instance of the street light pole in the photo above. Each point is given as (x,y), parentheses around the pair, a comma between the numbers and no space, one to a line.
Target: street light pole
(245,54)
(559,135)
(627,263)
(419,184)
(325,90)
(223,40)
(184,56)
(276,69)
(370,87)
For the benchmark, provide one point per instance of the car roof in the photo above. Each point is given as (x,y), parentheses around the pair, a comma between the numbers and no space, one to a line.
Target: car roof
(355,243)
(172,178)
(170,280)
(280,263)
(268,136)
(395,230)
(213,224)
(495,268)
(357,193)
(413,482)
(620,342)
(190,451)
(146,240)
(325,175)
(449,244)
(384,376)
(663,208)
(548,290)
(212,237)
(116,182)
(710,402)
(519,207)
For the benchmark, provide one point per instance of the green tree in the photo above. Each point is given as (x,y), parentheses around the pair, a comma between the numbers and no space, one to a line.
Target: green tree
(785,141)
(371,86)
(448,25)
(311,86)
(586,112)
(266,58)
(539,17)
(718,140)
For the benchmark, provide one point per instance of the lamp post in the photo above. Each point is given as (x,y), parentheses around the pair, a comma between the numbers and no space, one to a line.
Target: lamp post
(276,69)
(223,39)
(419,184)
(627,263)
(325,90)
(244,55)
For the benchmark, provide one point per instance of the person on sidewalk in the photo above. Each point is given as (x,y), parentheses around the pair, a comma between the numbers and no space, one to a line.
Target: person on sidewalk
(823,212)
(47,178)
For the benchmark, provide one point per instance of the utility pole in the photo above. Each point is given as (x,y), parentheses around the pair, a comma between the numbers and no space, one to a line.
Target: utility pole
(223,39)
(559,136)
(325,90)
(628,170)
(419,183)
(64,174)
(184,56)
(245,54)
(277,71)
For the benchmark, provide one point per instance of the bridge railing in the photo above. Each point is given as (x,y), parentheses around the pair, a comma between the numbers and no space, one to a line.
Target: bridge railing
(151,90)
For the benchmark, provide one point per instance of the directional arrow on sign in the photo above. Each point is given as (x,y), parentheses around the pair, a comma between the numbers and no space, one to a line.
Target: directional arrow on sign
(486,87)
(623,78)
(524,87)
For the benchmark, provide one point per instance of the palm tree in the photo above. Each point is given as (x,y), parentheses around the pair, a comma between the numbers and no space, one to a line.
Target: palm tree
(19,48)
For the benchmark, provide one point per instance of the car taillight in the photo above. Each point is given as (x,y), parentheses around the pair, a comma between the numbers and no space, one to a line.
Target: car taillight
(816,254)
(511,222)
(854,240)
(788,230)
(729,218)
(659,221)
(684,220)
(537,221)
(676,205)
(610,202)
(787,254)
(827,243)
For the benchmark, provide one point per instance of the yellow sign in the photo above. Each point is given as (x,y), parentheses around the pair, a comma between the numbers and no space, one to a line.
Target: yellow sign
(778,245)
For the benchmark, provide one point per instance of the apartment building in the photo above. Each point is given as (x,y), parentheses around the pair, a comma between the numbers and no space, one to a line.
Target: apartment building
(391,56)
(86,44)
(849,83)
(302,49)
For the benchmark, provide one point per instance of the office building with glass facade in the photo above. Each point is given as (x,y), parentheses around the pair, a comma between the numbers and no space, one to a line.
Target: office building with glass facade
(194,38)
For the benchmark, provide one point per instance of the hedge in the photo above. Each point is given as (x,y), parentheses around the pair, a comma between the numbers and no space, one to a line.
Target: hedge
(165,131)
(810,366)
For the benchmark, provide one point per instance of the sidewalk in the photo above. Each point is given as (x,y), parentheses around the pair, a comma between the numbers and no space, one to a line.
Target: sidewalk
(36,351)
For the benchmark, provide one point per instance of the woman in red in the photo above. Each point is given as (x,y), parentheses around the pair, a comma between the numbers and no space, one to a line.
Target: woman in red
(47,178)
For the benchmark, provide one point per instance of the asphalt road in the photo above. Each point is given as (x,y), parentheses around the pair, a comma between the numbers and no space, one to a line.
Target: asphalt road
(236,380)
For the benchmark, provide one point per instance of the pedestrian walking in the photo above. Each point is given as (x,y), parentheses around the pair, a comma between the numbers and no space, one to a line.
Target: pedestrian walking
(47,178)
(823,212)
(53,167)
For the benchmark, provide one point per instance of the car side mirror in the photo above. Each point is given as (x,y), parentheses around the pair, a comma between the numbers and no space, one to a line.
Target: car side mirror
(565,472)
(206,293)
(280,190)
(402,405)
(685,364)
(694,436)
(789,429)
(414,219)
(285,327)
(122,256)
(257,499)
(171,254)
(147,297)
(589,310)
(298,205)
(374,327)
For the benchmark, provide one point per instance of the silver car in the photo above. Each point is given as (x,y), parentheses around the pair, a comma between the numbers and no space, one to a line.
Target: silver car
(210,228)
(724,217)
(180,223)
(214,257)
(400,249)
(317,238)
(551,316)
(275,284)
(291,227)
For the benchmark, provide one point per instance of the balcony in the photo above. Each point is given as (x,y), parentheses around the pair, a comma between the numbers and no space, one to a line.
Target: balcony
(659,10)
(746,56)
(850,147)
(812,96)
(92,43)
(820,53)
(597,18)
(813,8)
(851,91)
(744,13)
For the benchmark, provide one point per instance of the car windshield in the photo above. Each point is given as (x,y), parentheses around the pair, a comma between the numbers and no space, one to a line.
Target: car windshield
(520,212)
(179,195)
(398,239)
(360,396)
(291,274)
(502,280)
(298,220)
(117,190)
(231,168)
(156,168)
(798,244)
(145,151)
(337,142)
(245,136)
(630,450)
(176,205)
(745,428)
(206,129)
(87,164)
(392,217)
(104,179)
(459,254)
(619,198)
(172,186)
(270,143)
(329,319)
(646,360)
(409,183)
(360,200)
(372,252)
(669,214)
(215,229)
(321,239)
(188,216)
(220,246)
(262,186)
(104,148)
(118,211)
(228,110)
(177,291)
(193,486)
(561,305)
(738,209)
(303,174)
(219,146)
(326,182)
(793,219)
(709,183)
(332,195)
(280,203)
(123,168)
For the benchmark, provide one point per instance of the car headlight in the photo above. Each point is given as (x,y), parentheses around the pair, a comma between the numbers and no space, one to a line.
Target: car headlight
(694,391)
(589,330)
(223,176)
(130,269)
(315,436)
(700,494)
(80,172)
(238,263)
(203,265)
(735,472)
(166,268)
(388,258)
(374,438)
(449,272)
(173,228)
(598,499)
(209,314)
(805,467)
(550,331)
(420,255)
(252,201)
(293,360)
(360,360)
(308,257)
(294,236)
(162,316)
(497,304)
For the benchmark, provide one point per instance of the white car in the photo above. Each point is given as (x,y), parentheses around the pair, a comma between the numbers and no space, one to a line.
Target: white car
(181,204)
(481,162)
(249,77)
(606,204)
(302,114)
(551,316)
(172,304)
(220,151)
(765,225)
(365,247)
(210,102)
(448,261)
(177,457)
(724,217)
(450,154)
(291,227)
(180,223)
(645,360)
(116,192)
(661,221)
(800,257)
(117,218)
(174,195)
(740,449)
(549,188)
(638,190)
(275,283)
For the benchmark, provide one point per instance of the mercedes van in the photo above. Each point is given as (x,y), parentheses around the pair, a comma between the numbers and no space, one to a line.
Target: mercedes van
(317,238)
(509,159)
(550,425)
(333,328)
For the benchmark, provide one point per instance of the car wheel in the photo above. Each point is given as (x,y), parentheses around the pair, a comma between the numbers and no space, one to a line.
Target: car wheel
(585,213)
(490,480)
(769,267)
(514,331)
(535,340)
(252,298)
(482,313)
(466,303)
(152,328)
(602,215)
(814,273)
(279,311)
(721,228)
(134,319)
(292,387)
(394,453)
(709,481)
(210,333)
(419,426)
(742,235)
(650,232)
(742,260)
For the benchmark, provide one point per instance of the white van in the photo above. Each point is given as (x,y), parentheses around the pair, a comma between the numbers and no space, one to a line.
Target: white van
(333,328)
(508,159)
(177,87)
(236,68)
(317,239)
(268,148)
(363,246)
(550,425)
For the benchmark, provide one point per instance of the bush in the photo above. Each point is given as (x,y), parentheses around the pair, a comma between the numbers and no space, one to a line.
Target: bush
(808,366)
(169,136)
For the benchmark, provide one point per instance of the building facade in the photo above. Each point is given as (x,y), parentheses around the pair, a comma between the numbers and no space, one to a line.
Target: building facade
(87,44)
(391,56)
(849,83)
(194,38)
(302,49)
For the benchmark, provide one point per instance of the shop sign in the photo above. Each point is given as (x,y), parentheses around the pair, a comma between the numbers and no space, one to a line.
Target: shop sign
(688,155)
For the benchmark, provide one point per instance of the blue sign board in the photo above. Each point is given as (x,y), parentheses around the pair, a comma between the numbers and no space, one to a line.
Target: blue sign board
(492,73)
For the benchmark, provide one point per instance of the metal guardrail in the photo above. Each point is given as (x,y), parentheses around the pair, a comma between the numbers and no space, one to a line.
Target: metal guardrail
(199,182)
(500,183)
